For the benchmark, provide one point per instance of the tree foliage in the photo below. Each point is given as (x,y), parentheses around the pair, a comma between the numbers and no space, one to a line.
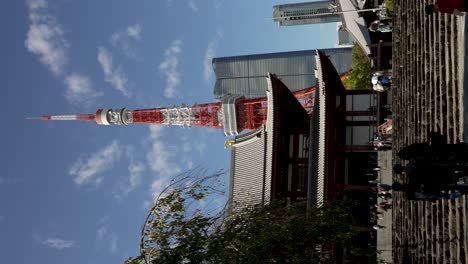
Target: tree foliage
(389,7)
(359,76)
(176,231)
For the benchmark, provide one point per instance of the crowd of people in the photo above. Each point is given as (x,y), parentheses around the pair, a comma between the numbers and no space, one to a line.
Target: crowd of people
(383,202)
(381,142)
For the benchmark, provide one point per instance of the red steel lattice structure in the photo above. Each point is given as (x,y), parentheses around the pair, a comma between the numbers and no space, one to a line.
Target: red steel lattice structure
(249,113)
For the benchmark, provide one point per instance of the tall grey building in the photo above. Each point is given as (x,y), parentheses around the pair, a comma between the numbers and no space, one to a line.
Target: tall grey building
(245,75)
(305,13)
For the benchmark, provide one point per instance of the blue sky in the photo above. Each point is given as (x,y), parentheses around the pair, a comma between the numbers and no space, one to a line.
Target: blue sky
(76,192)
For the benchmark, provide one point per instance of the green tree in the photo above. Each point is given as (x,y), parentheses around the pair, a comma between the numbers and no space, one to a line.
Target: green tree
(178,231)
(389,7)
(359,76)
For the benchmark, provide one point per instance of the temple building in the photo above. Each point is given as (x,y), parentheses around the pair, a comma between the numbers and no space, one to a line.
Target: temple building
(298,157)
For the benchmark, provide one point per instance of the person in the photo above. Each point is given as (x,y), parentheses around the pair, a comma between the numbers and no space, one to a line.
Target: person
(377,227)
(380,25)
(447,6)
(385,195)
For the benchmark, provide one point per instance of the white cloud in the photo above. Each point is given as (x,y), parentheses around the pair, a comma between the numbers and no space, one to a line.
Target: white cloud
(113,243)
(87,171)
(161,153)
(134,31)
(169,68)
(207,65)
(160,159)
(158,185)
(210,52)
(200,146)
(218,4)
(36,4)
(124,40)
(58,243)
(79,89)
(101,233)
(113,75)
(135,169)
(45,37)
(193,6)
(104,235)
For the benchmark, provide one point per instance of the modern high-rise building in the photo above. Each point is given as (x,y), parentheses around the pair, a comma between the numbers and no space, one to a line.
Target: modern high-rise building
(305,13)
(245,75)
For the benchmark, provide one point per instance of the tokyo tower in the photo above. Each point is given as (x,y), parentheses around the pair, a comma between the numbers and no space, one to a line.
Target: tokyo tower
(234,113)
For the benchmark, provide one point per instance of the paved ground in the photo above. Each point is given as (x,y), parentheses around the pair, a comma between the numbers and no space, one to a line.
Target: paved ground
(384,235)
(428,95)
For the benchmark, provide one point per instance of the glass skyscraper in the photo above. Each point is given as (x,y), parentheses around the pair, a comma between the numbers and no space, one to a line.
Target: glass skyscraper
(305,13)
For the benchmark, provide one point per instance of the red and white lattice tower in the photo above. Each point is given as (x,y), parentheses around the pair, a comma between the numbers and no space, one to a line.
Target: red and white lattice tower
(234,114)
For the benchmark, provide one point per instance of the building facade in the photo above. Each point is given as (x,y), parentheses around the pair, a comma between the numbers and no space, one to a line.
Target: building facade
(344,37)
(305,13)
(245,75)
(296,156)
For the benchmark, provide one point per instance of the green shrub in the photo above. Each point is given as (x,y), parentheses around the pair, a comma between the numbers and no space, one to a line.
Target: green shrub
(359,76)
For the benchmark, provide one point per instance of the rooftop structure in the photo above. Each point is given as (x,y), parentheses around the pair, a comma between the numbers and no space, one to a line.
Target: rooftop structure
(245,75)
(354,23)
(297,157)
(264,161)
(305,13)
(344,37)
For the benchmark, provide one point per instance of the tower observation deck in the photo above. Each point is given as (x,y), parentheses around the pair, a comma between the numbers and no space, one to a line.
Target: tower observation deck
(234,113)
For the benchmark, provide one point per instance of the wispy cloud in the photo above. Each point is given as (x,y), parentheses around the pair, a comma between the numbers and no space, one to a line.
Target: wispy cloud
(190,146)
(207,65)
(218,4)
(55,242)
(45,37)
(124,39)
(36,4)
(113,243)
(135,170)
(88,171)
(160,159)
(103,234)
(169,67)
(160,156)
(210,52)
(113,75)
(134,31)
(193,6)
(79,89)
